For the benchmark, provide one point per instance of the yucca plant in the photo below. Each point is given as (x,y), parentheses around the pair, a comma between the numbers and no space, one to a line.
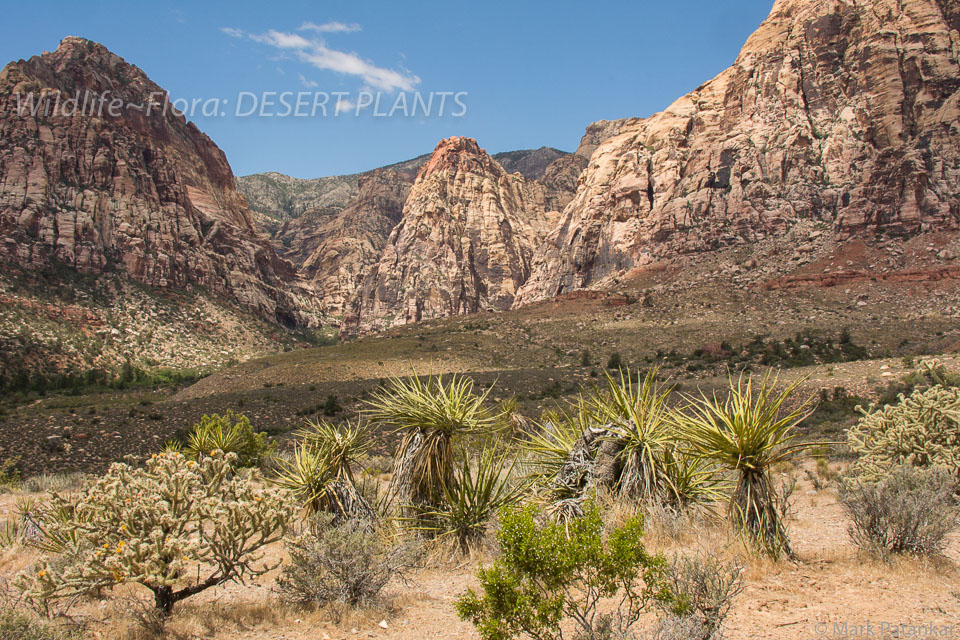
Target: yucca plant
(547,449)
(637,416)
(344,443)
(229,433)
(693,481)
(479,487)
(319,473)
(750,432)
(431,414)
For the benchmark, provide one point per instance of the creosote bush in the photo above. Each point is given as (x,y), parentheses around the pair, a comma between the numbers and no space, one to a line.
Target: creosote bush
(553,574)
(908,510)
(347,563)
(153,526)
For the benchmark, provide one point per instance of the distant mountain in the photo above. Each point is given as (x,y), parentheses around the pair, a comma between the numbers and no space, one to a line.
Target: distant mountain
(275,198)
(530,163)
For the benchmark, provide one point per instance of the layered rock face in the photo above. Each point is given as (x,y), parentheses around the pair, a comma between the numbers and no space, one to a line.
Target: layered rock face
(836,111)
(137,188)
(336,254)
(463,244)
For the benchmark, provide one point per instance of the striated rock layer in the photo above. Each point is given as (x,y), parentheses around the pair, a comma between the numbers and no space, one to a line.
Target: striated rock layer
(138,189)
(464,242)
(837,111)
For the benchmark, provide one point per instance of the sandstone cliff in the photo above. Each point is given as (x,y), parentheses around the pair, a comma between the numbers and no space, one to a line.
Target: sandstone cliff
(835,111)
(463,244)
(139,190)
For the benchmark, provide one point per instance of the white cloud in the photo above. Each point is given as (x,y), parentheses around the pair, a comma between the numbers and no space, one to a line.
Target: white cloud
(317,54)
(330,27)
(233,33)
(308,83)
(282,40)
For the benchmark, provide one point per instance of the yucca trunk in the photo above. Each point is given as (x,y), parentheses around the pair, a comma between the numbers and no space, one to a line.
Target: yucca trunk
(755,512)
(347,503)
(424,467)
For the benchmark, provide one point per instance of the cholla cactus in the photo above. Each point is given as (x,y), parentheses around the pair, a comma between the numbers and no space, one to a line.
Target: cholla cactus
(922,430)
(175,526)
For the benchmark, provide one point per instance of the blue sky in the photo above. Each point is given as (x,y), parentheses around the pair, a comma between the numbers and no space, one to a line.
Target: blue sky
(533,73)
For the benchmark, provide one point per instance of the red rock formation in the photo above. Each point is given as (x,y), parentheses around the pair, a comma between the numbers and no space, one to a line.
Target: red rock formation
(137,188)
(463,244)
(839,111)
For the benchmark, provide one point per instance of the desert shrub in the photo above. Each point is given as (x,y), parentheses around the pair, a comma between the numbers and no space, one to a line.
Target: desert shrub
(551,574)
(749,432)
(615,361)
(19,625)
(705,588)
(908,510)
(479,488)
(48,482)
(930,373)
(348,563)
(229,433)
(431,414)
(674,627)
(9,473)
(320,472)
(921,430)
(147,525)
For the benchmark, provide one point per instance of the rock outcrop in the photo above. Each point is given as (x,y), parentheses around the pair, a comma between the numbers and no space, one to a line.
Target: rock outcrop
(463,244)
(127,184)
(336,254)
(836,111)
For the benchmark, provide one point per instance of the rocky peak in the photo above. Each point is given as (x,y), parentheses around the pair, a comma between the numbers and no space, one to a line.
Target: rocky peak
(463,244)
(137,189)
(456,154)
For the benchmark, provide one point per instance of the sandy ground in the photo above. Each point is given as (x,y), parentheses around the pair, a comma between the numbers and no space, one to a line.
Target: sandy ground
(829,586)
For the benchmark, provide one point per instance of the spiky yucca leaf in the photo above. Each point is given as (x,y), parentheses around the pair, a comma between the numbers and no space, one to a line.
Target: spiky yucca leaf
(749,432)
(548,448)
(638,415)
(431,413)
(344,444)
(479,487)
(307,474)
(694,481)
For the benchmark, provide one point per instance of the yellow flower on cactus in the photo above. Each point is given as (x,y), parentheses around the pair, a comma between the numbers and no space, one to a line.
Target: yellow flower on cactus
(41,573)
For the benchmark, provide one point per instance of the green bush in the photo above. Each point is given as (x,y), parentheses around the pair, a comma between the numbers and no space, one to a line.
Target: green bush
(229,433)
(9,473)
(148,525)
(921,430)
(908,510)
(554,574)
(614,361)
